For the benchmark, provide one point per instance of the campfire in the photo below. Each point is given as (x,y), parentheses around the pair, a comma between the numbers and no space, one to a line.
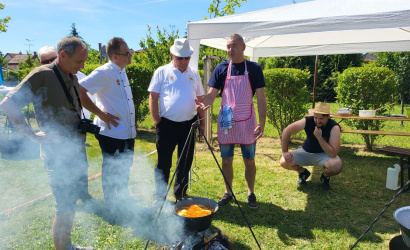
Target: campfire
(206,240)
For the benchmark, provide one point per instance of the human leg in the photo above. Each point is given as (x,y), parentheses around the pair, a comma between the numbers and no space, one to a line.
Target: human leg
(166,142)
(248,155)
(227,169)
(127,157)
(110,149)
(250,174)
(186,147)
(64,174)
(62,225)
(292,165)
(299,158)
(83,178)
(332,167)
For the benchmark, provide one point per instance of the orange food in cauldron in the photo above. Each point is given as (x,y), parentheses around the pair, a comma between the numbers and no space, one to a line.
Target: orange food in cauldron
(194,211)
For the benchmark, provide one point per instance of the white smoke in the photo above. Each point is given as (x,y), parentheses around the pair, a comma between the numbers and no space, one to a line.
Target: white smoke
(135,210)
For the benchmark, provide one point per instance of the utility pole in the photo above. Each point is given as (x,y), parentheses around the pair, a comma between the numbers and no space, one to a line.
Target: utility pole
(29,44)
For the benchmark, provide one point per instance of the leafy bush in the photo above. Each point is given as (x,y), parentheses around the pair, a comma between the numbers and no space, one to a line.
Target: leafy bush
(366,88)
(139,76)
(88,68)
(156,53)
(286,95)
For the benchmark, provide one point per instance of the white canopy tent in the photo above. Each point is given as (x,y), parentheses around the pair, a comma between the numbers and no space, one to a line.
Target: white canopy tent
(320,27)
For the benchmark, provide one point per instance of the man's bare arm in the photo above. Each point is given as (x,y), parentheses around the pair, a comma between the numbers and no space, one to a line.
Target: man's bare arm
(13,112)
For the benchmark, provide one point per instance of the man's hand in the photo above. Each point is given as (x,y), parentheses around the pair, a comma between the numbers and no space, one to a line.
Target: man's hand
(317,132)
(287,156)
(109,119)
(200,106)
(258,132)
(49,138)
(156,121)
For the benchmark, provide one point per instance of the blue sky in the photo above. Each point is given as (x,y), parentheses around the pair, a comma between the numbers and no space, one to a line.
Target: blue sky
(44,22)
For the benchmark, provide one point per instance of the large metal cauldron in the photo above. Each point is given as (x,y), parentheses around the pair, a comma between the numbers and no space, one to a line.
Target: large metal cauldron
(200,223)
(402,216)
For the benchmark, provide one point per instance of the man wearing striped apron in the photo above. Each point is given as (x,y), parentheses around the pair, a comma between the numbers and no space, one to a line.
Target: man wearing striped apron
(239,80)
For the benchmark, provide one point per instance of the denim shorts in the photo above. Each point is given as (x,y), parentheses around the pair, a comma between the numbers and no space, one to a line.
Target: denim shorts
(248,151)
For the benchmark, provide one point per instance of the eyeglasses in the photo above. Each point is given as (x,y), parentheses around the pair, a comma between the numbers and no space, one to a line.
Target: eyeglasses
(125,54)
(181,58)
(48,61)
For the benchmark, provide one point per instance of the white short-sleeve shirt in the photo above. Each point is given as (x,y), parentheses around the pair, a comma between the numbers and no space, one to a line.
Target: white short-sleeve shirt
(177,92)
(111,88)
(80,75)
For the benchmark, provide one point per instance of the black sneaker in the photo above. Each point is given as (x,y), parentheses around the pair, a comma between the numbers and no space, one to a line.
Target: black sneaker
(225,200)
(325,182)
(252,201)
(303,177)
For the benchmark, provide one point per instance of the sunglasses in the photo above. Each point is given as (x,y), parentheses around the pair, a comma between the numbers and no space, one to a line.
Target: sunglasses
(48,61)
(125,54)
(181,58)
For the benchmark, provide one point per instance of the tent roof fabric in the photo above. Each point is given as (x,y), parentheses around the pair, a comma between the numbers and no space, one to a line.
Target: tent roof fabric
(311,28)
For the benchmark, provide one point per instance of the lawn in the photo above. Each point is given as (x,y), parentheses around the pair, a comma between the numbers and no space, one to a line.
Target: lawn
(288,217)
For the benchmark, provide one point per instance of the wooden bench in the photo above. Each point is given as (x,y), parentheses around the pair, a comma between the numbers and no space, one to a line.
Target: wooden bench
(374,132)
(402,153)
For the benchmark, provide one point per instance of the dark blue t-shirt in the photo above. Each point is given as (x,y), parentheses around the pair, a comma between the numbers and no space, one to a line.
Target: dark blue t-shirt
(221,70)
(311,144)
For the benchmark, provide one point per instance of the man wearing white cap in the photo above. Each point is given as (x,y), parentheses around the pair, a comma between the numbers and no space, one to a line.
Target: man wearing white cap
(173,90)
(320,148)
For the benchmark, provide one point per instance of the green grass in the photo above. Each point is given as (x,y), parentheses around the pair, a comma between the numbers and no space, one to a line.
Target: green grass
(288,217)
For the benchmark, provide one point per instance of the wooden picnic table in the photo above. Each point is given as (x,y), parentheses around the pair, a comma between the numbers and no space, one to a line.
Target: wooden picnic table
(402,153)
(373,132)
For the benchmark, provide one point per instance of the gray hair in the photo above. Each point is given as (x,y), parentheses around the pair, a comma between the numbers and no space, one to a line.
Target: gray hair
(236,36)
(69,45)
(46,50)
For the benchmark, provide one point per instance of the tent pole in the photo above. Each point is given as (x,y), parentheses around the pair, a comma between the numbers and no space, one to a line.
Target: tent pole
(314,82)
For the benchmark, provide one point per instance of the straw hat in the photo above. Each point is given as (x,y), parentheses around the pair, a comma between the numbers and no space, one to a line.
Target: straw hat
(321,108)
(181,48)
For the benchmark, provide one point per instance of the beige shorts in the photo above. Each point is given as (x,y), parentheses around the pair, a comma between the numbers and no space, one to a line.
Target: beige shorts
(304,158)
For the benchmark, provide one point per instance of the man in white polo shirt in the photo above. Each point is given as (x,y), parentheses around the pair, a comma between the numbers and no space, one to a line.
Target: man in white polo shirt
(175,87)
(115,114)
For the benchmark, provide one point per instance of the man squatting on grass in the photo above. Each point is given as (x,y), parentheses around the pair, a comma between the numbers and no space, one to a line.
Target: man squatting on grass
(62,146)
(320,148)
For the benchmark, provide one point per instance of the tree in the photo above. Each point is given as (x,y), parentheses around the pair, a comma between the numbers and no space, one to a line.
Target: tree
(216,9)
(366,88)
(3,61)
(328,67)
(3,22)
(399,63)
(25,67)
(156,53)
(94,57)
(286,96)
(74,32)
